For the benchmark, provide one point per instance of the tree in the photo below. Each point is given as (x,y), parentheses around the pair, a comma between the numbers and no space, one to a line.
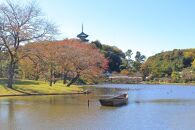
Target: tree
(170,63)
(58,57)
(97,44)
(3,64)
(129,61)
(114,56)
(20,24)
(145,70)
(139,59)
(44,56)
(175,76)
(129,54)
(188,75)
(34,63)
(193,64)
(85,61)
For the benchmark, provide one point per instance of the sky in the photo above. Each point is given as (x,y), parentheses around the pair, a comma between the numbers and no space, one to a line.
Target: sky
(148,26)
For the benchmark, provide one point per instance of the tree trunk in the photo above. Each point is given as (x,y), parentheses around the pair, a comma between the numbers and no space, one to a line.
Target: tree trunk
(73,80)
(37,77)
(54,78)
(10,74)
(37,74)
(51,77)
(64,78)
(54,81)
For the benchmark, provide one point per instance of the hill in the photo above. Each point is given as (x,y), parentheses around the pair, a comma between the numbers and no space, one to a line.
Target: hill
(173,66)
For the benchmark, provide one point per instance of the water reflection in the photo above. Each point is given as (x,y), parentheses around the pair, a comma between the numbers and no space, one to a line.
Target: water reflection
(150,107)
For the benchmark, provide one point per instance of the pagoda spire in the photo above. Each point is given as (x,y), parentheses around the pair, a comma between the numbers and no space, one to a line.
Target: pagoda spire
(82,27)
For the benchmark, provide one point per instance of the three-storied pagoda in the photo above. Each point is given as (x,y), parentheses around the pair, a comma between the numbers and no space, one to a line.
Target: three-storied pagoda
(82,36)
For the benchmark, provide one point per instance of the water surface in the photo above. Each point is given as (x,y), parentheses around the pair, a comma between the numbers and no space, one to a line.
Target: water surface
(150,107)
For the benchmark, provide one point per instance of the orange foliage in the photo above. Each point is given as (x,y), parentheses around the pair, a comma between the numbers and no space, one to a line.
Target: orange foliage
(71,56)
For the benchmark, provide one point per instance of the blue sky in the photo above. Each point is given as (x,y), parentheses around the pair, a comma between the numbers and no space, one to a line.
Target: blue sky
(148,26)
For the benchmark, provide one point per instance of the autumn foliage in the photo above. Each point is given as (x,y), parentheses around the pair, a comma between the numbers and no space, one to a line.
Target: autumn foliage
(69,60)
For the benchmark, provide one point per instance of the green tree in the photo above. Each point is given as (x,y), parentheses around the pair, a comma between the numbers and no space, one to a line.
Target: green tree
(128,55)
(139,59)
(3,64)
(175,76)
(114,56)
(165,64)
(193,64)
(97,43)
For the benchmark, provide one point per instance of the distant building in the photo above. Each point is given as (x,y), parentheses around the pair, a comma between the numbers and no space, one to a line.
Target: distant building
(125,79)
(82,36)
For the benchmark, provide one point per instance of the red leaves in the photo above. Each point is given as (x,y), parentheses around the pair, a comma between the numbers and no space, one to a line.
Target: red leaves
(69,55)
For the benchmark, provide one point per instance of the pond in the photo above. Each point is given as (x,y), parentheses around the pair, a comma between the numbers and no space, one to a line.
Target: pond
(150,107)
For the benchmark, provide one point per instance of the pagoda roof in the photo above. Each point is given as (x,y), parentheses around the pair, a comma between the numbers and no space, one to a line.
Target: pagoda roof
(82,34)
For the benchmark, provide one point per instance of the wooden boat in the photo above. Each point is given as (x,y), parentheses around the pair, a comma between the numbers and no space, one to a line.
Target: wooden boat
(86,92)
(115,101)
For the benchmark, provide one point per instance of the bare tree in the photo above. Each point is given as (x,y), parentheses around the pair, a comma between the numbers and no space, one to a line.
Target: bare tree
(20,24)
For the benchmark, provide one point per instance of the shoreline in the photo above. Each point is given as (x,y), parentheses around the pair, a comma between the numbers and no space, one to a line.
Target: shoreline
(165,83)
(38,88)
(17,92)
(42,94)
(151,83)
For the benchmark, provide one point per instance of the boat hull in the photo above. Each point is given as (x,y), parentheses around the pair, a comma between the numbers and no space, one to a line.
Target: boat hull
(116,101)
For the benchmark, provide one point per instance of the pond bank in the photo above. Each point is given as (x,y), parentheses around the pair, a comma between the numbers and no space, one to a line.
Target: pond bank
(29,88)
(149,107)
(166,83)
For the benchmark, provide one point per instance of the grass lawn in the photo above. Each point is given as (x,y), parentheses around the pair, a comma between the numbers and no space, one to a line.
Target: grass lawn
(22,87)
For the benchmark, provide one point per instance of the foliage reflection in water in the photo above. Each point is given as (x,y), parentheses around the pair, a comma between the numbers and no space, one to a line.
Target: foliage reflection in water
(150,107)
